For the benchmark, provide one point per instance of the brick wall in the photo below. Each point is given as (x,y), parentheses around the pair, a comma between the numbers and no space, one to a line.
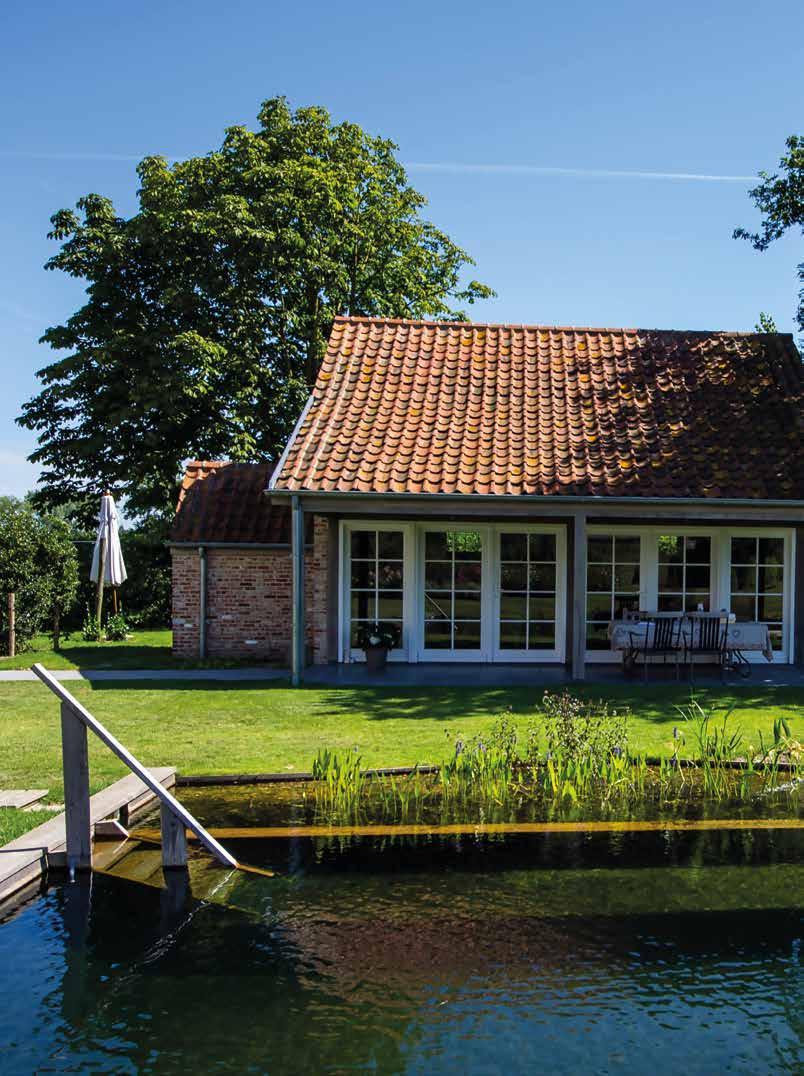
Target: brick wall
(249,600)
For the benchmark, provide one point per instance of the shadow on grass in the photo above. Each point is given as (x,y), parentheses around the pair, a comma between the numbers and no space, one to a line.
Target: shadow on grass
(657,703)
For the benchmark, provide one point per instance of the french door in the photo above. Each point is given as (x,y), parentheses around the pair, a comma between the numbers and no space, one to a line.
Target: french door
(454,593)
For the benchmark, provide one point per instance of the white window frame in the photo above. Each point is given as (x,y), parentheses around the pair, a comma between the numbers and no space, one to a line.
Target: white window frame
(412,647)
(720,573)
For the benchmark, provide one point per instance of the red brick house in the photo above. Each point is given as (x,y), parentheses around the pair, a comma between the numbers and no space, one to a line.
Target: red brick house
(502,492)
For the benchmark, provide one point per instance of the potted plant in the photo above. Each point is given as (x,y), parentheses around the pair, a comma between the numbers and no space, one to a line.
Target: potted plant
(376,640)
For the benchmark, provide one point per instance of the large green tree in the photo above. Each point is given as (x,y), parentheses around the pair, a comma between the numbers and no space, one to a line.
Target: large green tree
(208,310)
(780,199)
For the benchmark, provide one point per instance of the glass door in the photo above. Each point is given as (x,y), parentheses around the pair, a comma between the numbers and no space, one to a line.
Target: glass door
(453,582)
(530,605)
(757,583)
(613,584)
(376,584)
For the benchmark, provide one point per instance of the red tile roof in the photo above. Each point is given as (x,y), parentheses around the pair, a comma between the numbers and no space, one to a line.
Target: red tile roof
(226,502)
(443,407)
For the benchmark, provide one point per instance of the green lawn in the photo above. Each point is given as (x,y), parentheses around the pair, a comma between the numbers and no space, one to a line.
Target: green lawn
(145,650)
(257,727)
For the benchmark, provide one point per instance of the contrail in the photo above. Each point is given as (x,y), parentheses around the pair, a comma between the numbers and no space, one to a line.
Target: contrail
(551,170)
(451,167)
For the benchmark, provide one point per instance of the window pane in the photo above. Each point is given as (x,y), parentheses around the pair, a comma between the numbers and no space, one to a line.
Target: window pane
(743,550)
(697,577)
(438,575)
(770,607)
(625,603)
(771,550)
(744,608)
(542,547)
(512,636)
(670,603)
(626,550)
(671,577)
(466,606)
(699,549)
(435,546)
(468,545)
(513,547)
(363,573)
(695,598)
(438,635)
(541,636)
(671,549)
(626,577)
(391,544)
(390,574)
(771,580)
(543,577)
(513,606)
(598,607)
(514,577)
(363,605)
(599,549)
(468,576)
(364,544)
(599,577)
(597,637)
(467,635)
(744,579)
(542,607)
(389,605)
(437,605)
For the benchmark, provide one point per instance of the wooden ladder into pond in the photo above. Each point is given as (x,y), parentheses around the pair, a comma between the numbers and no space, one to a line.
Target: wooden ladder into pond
(175,819)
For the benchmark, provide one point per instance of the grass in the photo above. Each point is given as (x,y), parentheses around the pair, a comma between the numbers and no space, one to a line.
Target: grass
(144,650)
(215,728)
(14,823)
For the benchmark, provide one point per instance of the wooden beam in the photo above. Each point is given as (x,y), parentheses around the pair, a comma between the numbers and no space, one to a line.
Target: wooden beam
(174,840)
(297,544)
(136,767)
(75,764)
(579,597)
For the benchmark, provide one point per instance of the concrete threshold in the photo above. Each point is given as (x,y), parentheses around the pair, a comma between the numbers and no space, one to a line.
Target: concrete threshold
(27,858)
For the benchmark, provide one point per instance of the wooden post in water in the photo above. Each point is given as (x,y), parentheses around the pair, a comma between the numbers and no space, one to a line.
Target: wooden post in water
(75,764)
(101,576)
(174,839)
(12,625)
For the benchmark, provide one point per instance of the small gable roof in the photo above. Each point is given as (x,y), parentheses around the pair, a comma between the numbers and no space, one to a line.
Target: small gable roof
(221,501)
(457,408)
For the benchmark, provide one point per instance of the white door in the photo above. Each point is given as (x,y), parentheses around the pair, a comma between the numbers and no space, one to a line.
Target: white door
(454,590)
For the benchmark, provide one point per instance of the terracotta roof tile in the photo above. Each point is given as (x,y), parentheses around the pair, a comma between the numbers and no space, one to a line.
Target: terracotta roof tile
(445,407)
(226,502)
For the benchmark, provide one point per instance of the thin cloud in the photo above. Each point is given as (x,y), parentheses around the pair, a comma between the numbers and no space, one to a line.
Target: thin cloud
(458,168)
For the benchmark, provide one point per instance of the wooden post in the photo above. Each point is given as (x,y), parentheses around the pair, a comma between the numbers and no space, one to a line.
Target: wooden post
(12,625)
(579,597)
(101,577)
(75,766)
(297,549)
(174,839)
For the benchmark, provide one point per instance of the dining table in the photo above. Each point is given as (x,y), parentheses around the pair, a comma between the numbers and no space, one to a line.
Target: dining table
(628,638)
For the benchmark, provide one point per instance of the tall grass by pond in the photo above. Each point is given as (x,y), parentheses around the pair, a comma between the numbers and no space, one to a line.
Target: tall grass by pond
(573,757)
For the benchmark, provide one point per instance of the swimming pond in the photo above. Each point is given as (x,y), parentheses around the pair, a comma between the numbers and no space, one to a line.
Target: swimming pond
(640,951)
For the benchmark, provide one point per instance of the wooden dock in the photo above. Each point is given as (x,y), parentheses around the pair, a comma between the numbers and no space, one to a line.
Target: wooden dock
(24,860)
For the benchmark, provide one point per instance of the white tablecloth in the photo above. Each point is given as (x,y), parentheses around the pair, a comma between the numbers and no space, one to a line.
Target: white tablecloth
(623,634)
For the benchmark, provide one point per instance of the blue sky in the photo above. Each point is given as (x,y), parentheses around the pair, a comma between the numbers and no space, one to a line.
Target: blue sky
(514,119)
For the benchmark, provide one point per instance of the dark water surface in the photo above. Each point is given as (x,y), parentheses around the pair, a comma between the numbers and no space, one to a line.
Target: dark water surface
(573,953)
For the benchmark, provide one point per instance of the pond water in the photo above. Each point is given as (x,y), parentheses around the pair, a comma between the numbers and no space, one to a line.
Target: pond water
(568,953)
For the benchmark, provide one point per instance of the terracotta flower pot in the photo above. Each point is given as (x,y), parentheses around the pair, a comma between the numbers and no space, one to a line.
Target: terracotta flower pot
(376,657)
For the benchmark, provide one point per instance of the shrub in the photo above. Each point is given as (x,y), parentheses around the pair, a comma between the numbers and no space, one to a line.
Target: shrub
(116,627)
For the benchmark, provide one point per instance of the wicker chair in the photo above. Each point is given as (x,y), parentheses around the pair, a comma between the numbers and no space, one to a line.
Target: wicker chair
(662,637)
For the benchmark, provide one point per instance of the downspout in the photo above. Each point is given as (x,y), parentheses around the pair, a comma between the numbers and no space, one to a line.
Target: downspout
(202,602)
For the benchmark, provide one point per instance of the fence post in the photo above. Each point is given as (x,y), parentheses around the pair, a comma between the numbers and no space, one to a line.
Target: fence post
(12,625)
(174,839)
(75,764)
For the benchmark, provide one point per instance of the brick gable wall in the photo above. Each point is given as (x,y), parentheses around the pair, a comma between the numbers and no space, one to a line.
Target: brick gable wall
(249,601)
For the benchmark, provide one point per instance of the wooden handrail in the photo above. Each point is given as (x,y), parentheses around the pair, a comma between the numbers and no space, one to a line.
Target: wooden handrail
(175,817)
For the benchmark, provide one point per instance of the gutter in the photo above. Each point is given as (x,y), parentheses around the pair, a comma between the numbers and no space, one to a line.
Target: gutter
(536,498)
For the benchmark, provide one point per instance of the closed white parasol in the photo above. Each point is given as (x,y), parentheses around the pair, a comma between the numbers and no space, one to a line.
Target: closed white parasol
(108,568)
